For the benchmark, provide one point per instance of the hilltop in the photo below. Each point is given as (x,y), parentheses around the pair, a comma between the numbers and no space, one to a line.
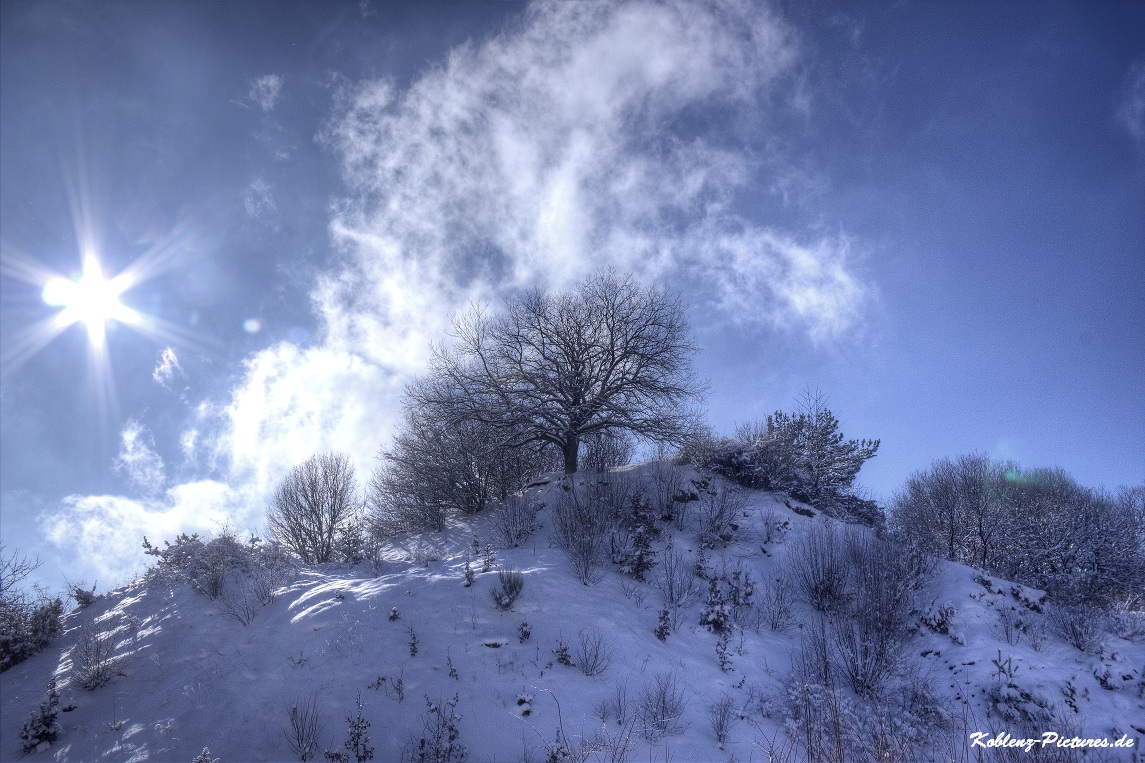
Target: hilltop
(434,659)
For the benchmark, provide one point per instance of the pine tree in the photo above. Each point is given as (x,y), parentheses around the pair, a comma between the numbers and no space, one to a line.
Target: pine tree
(42,725)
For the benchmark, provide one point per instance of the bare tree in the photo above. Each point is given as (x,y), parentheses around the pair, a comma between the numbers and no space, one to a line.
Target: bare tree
(435,466)
(313,505)
(611,357)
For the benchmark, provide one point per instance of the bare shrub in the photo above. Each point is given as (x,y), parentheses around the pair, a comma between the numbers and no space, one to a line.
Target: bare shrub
(619,702)
(512,582)
(514,521)
(1081,626)
(722,715)
(819,566)
(312,505)
(594,654)
(603,451)
(1011,624)
(675,579)
(716,513)
(92,657)
(774,607)
(882,601)
(866,656)
(666,480)
(583,525)
(660,706)
(239,601)
(304,730)
(771,526)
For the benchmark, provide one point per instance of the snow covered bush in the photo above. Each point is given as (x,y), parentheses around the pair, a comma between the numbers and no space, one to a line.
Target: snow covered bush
(92,657)
(42,727)
(722,716)
(604,451)
(665,480)
(357,744)
(83,597)
(440,734)
(206,757)
(1038,527)
(512,582)
(802,453)
(27,624)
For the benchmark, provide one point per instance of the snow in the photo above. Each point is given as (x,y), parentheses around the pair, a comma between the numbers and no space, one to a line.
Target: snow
(188,677)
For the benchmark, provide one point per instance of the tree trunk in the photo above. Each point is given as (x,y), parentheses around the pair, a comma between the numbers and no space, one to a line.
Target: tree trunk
(572,445)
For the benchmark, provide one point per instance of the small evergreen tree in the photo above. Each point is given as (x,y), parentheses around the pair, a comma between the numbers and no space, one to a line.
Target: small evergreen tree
(42,725)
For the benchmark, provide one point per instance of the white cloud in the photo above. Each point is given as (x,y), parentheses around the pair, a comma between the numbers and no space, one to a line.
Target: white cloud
(587,134)
(259,202)
(138,461)
(167,368)
(103,534)
(264,91)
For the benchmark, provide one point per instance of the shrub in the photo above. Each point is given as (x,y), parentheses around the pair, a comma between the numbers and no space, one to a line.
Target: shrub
(717,511)
(83,597)
(675,579)
(357,744)
(666,479)
(774,605)
(583,526)
(819,567)
(42,726)
(305,729)
(205,757)
(439,739)
(594,655)
(92,657)
(514,520)
(512,583)
(27,624)
(660,706)
(722,716)
(1082,626)
(313,505)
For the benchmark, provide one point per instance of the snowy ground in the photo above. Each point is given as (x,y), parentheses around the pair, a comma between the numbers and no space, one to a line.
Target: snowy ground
(189,677)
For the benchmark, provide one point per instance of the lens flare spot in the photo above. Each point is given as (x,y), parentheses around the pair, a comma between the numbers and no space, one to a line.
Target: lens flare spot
(252,325)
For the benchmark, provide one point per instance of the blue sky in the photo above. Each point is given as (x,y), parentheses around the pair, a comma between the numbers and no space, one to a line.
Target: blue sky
(933,212)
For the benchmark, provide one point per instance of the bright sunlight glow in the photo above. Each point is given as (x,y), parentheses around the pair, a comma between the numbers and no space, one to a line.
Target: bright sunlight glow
(92,300)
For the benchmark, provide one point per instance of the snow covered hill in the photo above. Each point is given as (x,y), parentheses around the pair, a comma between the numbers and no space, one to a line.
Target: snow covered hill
(573,671)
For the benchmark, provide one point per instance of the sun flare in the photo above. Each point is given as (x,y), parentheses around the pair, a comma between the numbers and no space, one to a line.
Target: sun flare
(92,299)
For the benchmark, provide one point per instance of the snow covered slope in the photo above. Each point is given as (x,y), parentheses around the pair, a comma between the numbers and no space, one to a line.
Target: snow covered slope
(409,637)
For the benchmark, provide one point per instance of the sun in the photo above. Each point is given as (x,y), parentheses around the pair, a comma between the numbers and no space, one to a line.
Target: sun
(92,299)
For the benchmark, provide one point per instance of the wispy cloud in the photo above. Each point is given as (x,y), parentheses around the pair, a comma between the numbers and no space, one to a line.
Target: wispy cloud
(264,91)
(138,461)
(167,368)
(258,201)
(586,134)
(1131,111)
